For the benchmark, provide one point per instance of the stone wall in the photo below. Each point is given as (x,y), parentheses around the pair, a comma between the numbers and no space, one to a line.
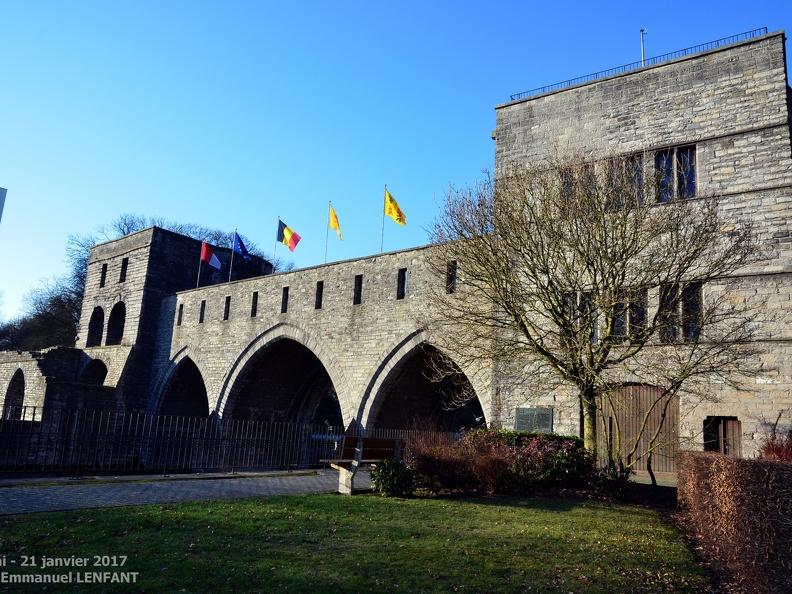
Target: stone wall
(732,104)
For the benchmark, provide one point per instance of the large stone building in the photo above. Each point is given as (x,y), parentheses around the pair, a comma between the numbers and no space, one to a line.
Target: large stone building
(342,343)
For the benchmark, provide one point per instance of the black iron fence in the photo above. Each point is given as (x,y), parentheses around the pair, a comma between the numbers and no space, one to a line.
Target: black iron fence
(43,440)
(647,62)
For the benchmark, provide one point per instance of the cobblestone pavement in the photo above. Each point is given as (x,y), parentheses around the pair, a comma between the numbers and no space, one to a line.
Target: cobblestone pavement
(22,496)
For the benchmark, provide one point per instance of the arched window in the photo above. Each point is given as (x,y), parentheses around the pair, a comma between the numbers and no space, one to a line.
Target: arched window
(15,397)
(115,324)
(95,328)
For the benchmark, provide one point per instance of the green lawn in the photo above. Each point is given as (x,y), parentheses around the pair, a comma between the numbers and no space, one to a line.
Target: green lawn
(366,543)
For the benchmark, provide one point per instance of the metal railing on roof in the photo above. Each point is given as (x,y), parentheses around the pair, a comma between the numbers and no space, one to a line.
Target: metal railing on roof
(647,62)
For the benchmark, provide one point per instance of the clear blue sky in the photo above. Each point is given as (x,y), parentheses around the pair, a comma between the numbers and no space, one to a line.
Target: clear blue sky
(229,114)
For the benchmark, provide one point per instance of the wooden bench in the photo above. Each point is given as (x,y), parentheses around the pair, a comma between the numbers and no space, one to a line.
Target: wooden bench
(356,451)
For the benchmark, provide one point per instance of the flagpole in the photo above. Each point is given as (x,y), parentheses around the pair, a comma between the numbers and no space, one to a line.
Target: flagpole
(231,266)
(275,251)
(382,238)
(200,259)
(327,231)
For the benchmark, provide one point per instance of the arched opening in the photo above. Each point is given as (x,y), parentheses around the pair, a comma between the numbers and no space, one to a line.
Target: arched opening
(185,392)
(95,328)
(426,388)
(15,397)
(94,373)
(285,382)
(115,324)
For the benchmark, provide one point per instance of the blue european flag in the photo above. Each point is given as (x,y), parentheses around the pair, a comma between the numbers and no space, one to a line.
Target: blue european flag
(239,247)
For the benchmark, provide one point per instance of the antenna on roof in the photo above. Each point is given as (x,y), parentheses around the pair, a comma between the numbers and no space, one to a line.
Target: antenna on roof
(643,34)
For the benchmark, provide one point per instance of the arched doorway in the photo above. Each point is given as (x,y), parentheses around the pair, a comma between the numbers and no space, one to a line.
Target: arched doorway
(95,328)
(14,397)
(185,393)
(94,373)
(427,388)
(115,324)
(284,382)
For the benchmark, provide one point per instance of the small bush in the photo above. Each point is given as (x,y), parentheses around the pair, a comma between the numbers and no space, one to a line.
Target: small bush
(777,445)
(393,479)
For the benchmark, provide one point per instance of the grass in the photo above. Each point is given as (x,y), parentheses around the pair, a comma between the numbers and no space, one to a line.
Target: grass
(332,543)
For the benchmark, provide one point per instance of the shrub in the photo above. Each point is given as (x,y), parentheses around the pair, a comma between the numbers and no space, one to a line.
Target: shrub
(393,478)
(502,461)
(741,511)
(442,467)
(777,445)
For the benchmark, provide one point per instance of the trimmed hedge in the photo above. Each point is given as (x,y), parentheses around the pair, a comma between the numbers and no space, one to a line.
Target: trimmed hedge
(499,461)
(742,512)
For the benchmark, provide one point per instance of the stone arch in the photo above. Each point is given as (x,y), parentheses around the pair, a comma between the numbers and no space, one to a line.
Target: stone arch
(185,393)
(285,349)
(94,373)
(115,324)
(14,400)
(95,328)
(401,392)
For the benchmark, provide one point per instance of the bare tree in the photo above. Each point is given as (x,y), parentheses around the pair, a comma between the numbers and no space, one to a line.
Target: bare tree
(590,277)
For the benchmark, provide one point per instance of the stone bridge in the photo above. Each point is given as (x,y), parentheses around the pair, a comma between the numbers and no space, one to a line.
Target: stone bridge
(338,343)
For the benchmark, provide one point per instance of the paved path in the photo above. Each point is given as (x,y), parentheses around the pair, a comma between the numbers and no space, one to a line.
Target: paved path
(21,496)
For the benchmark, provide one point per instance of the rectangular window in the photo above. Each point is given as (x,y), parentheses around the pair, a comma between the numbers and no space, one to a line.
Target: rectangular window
(676,171)
(723,435)
(254,304)
(124,266)
(357,296)
(451,277)
(620,318)
(103,278)
(202,312)
(691,312)
(626,181)
(686,172)
(667,315)
(181,314)
(319,294)
(588,317)
(401,284)
(538,420)
(285,300)
(227,307)
(680,312)
(637,314)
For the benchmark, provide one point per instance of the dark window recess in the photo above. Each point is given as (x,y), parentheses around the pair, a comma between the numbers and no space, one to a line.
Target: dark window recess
(691,312)
(401,284)
(676,171)
(202,312)
(319,294)
(254,304)
(451,277)
(680,312)
(629,315)
(103,278)
(723,435)
(539,420)
(181,314)
(285,300)
(637,314)
(357,297)
(124,266)
(227,307)
(668,315)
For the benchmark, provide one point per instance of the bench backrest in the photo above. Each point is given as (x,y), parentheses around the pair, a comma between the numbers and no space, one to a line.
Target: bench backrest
(374,448)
